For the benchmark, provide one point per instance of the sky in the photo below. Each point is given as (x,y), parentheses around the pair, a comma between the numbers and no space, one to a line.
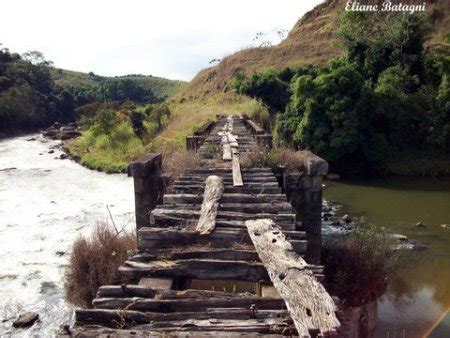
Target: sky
(168,38)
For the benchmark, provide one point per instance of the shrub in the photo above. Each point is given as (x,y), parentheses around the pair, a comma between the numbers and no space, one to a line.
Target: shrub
(257,159)
(288,158)
(357,267)
(260,114)
(94,261)
(179,161)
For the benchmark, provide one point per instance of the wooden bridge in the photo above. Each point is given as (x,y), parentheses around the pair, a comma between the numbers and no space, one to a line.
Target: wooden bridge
(224,252)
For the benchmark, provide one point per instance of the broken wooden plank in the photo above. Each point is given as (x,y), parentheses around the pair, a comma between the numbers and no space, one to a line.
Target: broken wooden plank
(213,192)
(310,305)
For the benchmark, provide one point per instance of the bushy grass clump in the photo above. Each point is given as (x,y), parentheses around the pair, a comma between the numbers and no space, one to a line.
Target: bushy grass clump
(358,266)
(94,261)
(110,152)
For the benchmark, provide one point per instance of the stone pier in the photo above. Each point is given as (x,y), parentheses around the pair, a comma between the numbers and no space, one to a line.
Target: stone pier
(148,186)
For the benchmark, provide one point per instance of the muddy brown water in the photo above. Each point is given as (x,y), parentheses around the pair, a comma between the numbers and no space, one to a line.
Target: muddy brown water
(419,296)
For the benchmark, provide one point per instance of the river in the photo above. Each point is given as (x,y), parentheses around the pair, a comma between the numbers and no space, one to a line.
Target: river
(420,293)
(45,203)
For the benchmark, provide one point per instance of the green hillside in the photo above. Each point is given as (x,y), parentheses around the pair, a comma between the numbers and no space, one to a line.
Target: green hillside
(160,87)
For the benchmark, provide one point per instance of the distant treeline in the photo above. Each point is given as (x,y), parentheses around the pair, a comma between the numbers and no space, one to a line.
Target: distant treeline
(386,96)
(30,99)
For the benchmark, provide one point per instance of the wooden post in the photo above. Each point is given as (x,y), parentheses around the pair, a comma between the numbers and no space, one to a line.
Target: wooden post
(148,186)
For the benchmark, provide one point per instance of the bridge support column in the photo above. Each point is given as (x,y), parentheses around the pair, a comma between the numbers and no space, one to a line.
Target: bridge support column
(148,186)
(303,189)
(194,142)
(264,141)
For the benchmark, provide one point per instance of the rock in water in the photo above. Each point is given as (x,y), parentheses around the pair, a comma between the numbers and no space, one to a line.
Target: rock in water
(26,320)
(346,218)
(399,237)
(63,156)
(420,225)
(445,226)
(332,176)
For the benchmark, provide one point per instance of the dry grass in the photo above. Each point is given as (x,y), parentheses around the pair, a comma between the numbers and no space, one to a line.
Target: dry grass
(94,261)
(177,162)
(311,41)
(288,158)
(189,115)
(257,159)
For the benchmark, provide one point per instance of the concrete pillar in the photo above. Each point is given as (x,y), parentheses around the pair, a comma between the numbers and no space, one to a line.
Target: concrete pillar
(193,142)
(303,189)
(148,186)
(264,141)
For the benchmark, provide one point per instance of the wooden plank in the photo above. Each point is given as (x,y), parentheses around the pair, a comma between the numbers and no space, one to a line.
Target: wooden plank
(126,291)
(191,252)
(310,305)
(188,304)
(213,192)
(111,317)
(227,156)
(236,168)
(226,198)
(197,269)
(156,283)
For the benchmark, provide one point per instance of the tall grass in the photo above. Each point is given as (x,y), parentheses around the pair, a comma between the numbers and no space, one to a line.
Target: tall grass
(94,261)
(358,266)
(108,152)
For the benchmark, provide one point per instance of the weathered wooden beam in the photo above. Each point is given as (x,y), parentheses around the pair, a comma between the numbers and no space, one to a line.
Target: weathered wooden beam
(197,269)
(236,168)
(125,291)
(111,318)
(188,304)
(213,192)
(226,198)
(310,306)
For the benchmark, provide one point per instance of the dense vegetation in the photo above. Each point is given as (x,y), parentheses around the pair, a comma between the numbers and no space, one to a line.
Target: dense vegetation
(28,98)
(385,97)
(114,134)
(33,94)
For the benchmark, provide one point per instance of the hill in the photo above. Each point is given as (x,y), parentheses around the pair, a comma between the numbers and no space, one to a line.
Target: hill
(311,41)
(160,87)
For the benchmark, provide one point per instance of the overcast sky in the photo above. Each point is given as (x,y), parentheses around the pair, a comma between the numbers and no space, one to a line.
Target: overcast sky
(169,38)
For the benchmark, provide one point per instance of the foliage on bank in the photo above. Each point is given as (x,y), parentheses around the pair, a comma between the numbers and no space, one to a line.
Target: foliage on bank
(387,95)
(28,98)
(114,135)
(31,99)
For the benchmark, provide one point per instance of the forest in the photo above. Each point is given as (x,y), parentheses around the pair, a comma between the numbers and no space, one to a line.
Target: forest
(30,98)
(386,96)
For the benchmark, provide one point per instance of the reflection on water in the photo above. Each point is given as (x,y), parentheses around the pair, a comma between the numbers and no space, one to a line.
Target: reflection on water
(418,296)
(45,204)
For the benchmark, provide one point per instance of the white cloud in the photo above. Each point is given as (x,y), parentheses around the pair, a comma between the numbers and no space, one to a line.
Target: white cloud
(170,38)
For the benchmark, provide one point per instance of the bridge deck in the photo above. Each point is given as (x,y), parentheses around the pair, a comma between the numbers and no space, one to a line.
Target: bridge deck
(181,282)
